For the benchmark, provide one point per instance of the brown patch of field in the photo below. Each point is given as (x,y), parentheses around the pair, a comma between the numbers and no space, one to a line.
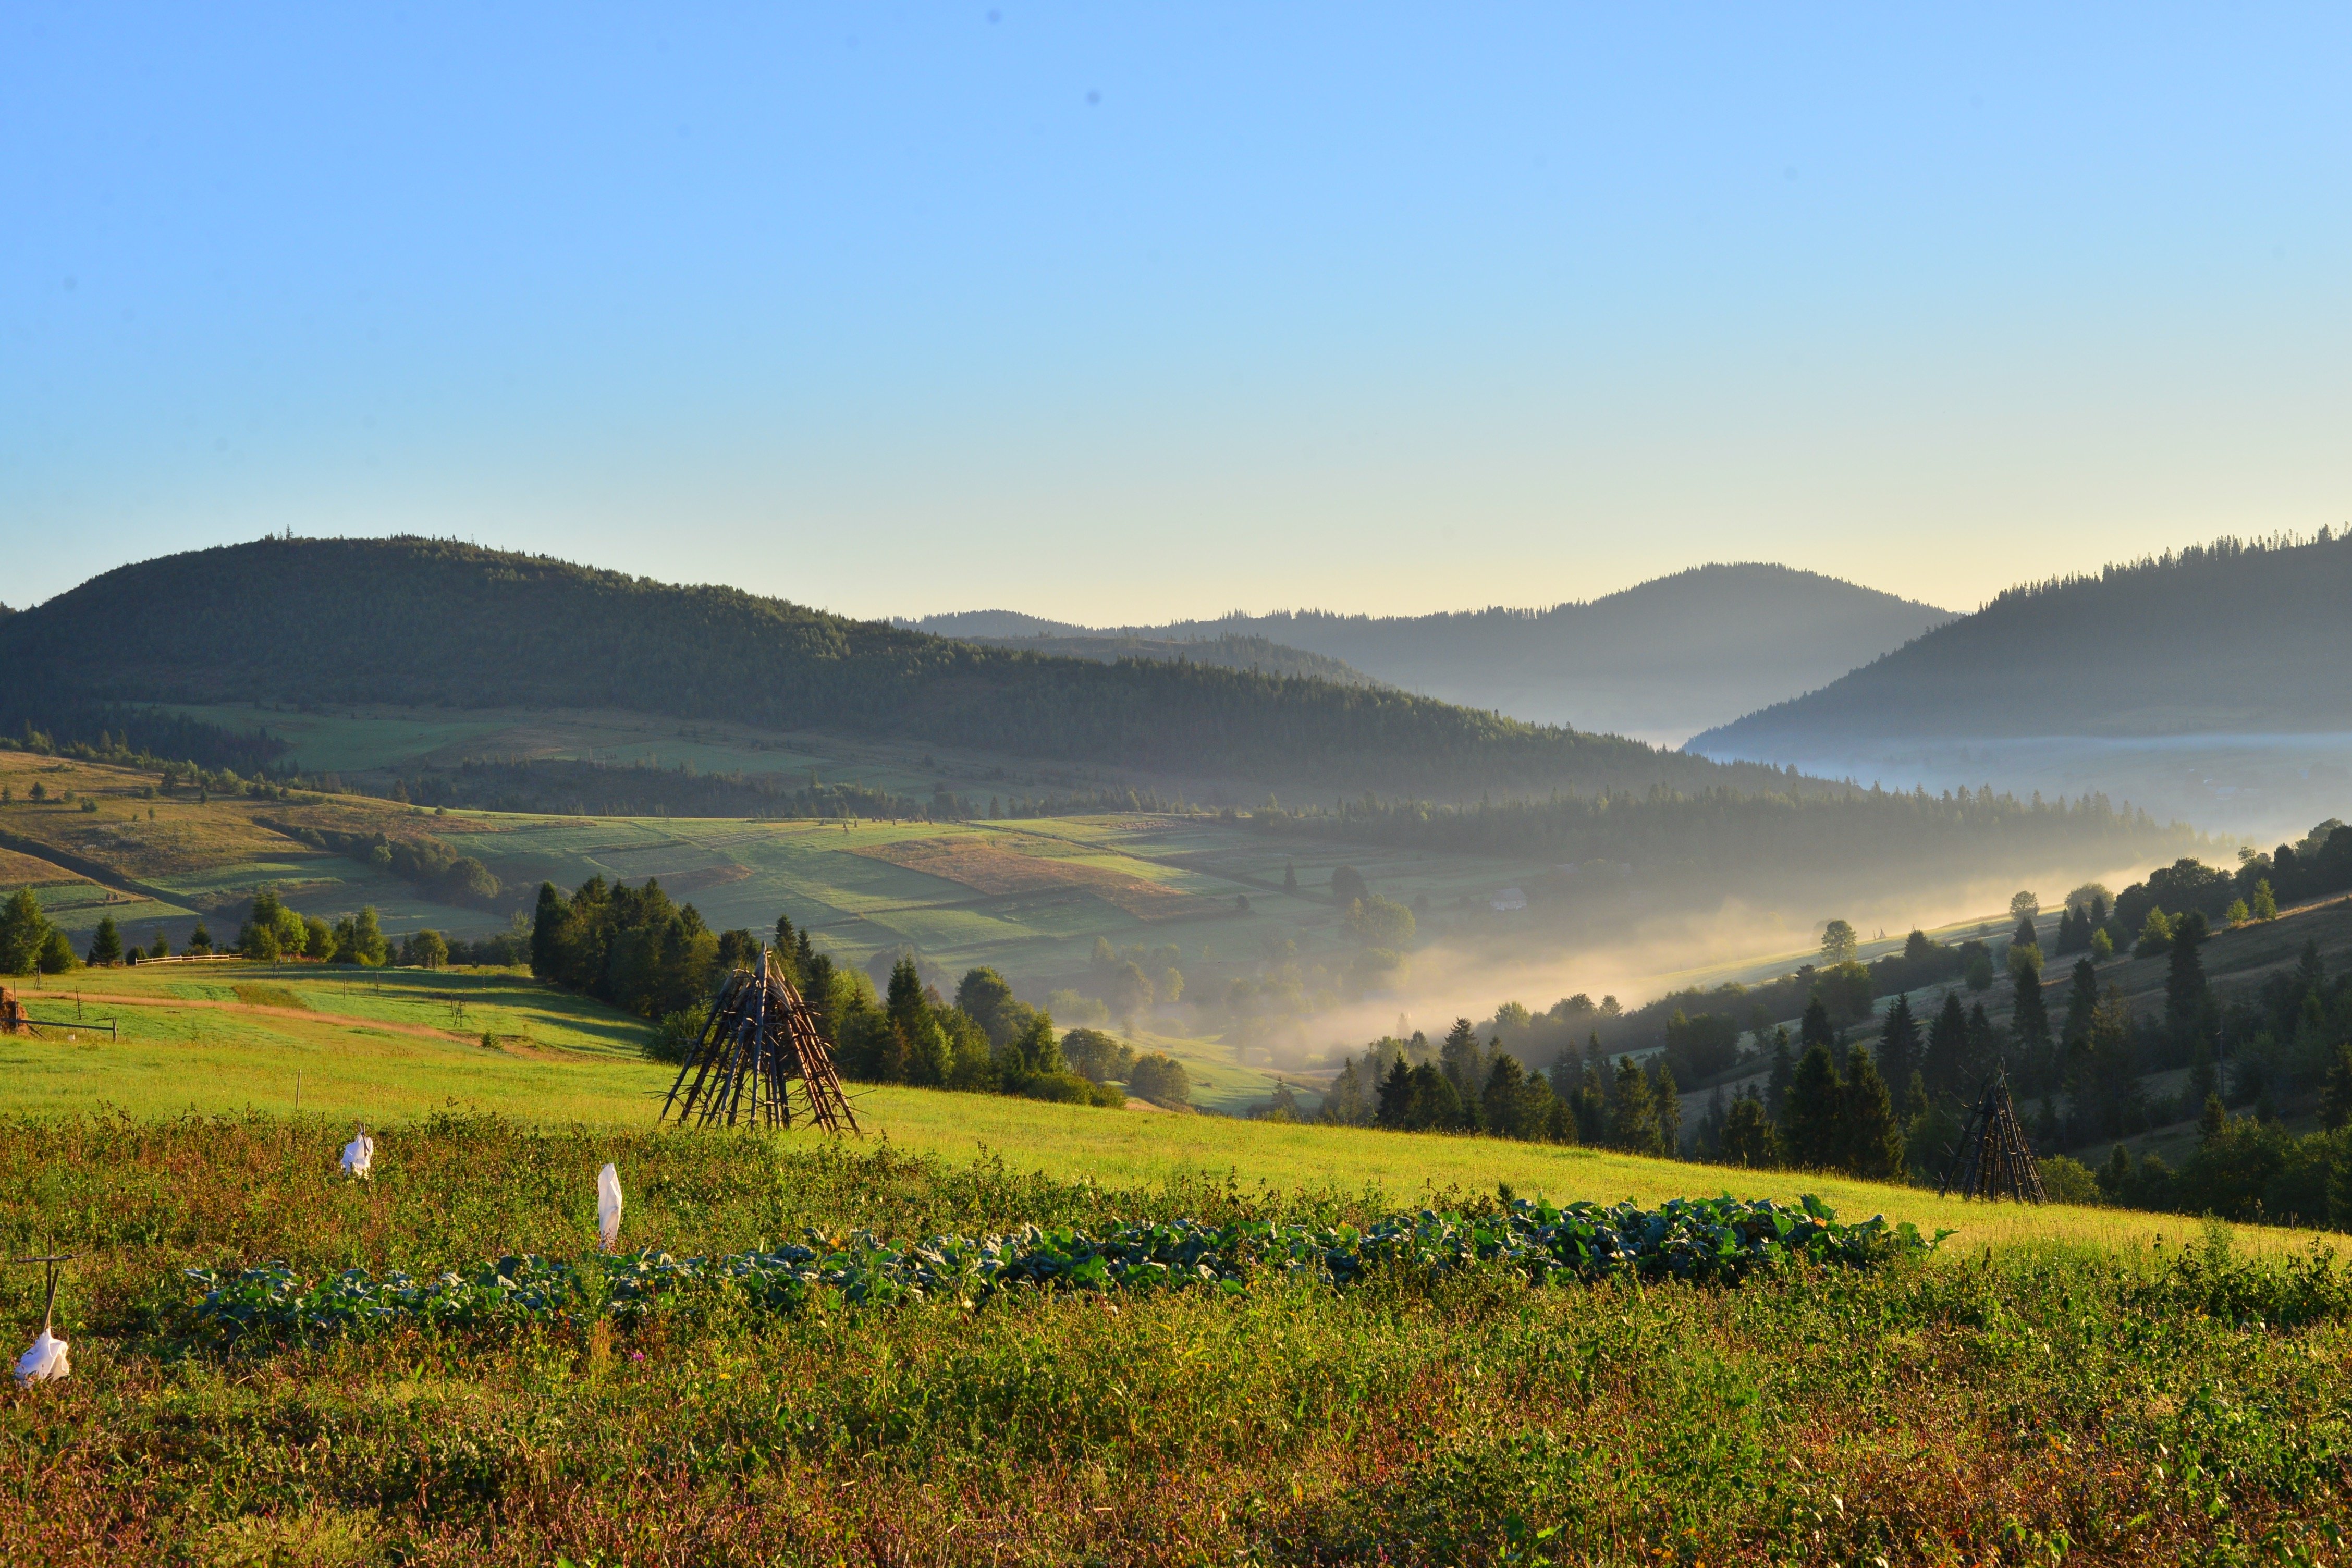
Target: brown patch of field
(27,872)
(991,868)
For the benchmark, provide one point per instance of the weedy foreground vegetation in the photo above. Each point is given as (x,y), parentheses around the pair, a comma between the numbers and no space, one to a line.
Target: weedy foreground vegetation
(2042,1403)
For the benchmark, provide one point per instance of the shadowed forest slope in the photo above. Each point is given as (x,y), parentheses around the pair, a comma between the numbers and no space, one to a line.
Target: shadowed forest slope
(2229,638)
(327,622)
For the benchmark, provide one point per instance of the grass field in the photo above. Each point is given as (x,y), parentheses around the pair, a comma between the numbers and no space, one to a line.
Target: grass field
(2054,1385)
(2090,1402)
(390,1046)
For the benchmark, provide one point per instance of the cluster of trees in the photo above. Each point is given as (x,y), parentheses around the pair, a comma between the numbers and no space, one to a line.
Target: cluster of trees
(2317,866)
(428,864)
(28,940)
(272,931)
(637,949)
(1461,1085)
(150,739)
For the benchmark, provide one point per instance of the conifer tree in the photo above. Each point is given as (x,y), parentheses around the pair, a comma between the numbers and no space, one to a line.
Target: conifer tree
(1944,1062)
(1898,1050)
(2082,1001)
(1872,1135)
(1667,1098)
(106,943)
(2266,906)
(1748,1137)
(2184,979)
(1396,1096)
(1784,1073)
(1812,1123)
(2335,1105)
(1633,1113)
(1814,1029)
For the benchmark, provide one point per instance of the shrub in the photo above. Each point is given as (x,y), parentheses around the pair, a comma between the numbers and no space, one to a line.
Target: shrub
(2069,1181)
(1162,1079)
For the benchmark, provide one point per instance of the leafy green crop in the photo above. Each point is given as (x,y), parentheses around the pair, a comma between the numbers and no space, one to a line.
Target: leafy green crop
(1704,1239)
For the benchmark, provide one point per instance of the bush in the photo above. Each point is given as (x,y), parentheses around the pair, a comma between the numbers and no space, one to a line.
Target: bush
(674,1037)
(2069,1181)
(1162,1079)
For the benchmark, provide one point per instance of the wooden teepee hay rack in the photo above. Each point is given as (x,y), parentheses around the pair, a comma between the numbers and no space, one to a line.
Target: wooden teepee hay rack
(761,1041)
(1995,1160)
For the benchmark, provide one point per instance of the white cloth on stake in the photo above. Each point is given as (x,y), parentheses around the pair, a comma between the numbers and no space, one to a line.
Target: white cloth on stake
(44,1362)
(608,1207)
(359,1155)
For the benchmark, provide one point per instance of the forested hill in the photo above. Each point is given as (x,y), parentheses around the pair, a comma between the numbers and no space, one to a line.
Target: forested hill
(2224,638)
(1227,651)
(1661,659)
(324,622)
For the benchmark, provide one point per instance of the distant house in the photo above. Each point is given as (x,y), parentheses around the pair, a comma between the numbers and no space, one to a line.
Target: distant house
(1507,901)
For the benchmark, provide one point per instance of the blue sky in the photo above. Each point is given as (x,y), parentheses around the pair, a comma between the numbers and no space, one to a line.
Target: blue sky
(1119,314)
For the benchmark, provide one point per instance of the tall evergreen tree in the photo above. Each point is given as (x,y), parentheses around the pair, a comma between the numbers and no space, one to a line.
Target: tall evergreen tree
(2336,1104)
(1748,1137)
(1464,1064)
(106,943)
(1984,1050)
(1898,1050)
(1435,1106)
(1667,1098)
(2082,1001)
(2184,979)
(1871,1132)
(1814,1029)
(1944,1062)
(1633,1113)
(1784,1073)
(1395,1108)
(2030,1022)
(1812,1123)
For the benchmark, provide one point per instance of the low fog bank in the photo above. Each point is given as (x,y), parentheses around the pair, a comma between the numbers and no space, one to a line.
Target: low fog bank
(1465,976)
(2264,788)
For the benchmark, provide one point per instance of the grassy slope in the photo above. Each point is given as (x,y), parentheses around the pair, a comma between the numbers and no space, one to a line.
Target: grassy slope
(388,1047)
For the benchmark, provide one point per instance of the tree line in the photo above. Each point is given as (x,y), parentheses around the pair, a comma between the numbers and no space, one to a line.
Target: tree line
(638,950)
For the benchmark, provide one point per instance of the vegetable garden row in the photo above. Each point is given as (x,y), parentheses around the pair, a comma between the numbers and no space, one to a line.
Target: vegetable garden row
(1717,1240)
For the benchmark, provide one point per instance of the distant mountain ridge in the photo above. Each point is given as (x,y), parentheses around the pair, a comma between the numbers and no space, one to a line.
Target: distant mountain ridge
(436,621)
(2230,638)
(1658,660)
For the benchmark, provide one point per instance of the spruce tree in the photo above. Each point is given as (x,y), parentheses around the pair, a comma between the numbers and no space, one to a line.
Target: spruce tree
(1667,1098)
(2335,1105)
(1633,1113)
(1814,1029)
(1464,1063)
(906,1004)
(2082,1001)
(1871,1134)
(2030,1022)
(1898,1051)
(1784,1073)
(1810,1124)
(1396,1097)
(2184,979)
(106,943)
(1944,1064)
(1435,1105)
(1747,1136)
